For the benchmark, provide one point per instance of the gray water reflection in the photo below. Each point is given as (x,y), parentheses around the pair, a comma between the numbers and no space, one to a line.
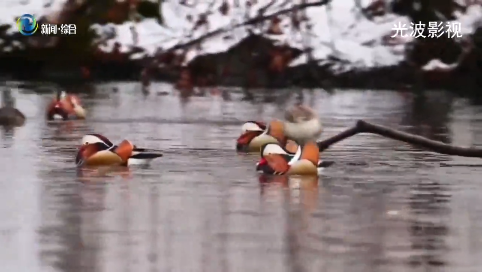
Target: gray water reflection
(384,206)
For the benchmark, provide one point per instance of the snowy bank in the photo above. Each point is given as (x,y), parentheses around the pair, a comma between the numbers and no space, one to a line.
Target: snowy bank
(336,30)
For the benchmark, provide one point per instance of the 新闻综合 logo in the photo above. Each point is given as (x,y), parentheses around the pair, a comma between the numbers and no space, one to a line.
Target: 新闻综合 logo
(27,25)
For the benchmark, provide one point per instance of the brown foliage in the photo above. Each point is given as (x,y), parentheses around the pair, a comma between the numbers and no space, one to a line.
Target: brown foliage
(146,77)
(185,84)
(171,58)
(204,80)
(179,58)
(118,13)
(166,58)
(275,28)
(376,8)
(280,58)
(133,3)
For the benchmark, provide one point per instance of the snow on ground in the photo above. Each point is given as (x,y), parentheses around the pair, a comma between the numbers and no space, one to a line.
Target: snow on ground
(338,29)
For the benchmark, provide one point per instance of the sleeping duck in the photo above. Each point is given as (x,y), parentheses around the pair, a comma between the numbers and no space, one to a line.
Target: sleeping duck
(97,150)
(302,124)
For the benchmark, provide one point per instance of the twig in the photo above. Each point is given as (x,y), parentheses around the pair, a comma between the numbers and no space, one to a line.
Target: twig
(431,145)
(284,11)
(252,21)
(263,9)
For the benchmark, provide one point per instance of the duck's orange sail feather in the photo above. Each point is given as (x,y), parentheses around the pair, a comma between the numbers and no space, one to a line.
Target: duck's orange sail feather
(276,130)
(311,152)
(124,150)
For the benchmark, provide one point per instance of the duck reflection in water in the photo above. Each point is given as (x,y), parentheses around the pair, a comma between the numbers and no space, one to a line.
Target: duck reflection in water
(7,136)
(66,127)
(302,190)
(96,174)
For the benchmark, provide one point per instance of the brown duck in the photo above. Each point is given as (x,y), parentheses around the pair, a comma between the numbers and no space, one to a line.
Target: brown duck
(9,115)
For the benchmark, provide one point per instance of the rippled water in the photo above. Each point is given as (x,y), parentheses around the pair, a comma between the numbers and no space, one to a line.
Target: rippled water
(384,206)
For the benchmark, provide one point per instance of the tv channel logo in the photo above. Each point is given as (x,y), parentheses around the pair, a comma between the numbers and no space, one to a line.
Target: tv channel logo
(27,25)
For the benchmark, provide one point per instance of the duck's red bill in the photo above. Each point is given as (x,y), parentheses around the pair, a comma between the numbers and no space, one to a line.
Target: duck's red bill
(263,161)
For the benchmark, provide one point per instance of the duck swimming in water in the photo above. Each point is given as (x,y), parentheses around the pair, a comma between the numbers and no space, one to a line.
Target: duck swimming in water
(302,124)
(97,150)
(291,157)
(256,134)
(9,115)
(65,107)
(276,160)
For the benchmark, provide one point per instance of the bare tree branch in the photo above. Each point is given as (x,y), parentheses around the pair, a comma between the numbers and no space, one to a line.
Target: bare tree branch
(254,20)
(431,145)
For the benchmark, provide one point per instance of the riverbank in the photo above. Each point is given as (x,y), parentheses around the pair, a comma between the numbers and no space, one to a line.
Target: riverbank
(239,66)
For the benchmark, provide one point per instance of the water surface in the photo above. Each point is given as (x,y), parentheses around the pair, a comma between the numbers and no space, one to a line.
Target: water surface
(384,206)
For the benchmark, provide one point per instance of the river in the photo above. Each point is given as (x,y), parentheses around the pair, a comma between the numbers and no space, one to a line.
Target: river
(383,206)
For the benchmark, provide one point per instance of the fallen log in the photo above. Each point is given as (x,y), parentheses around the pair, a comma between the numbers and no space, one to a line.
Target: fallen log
(412,139)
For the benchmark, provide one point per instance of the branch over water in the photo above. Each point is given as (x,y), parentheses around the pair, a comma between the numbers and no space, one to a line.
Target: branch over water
(419,141)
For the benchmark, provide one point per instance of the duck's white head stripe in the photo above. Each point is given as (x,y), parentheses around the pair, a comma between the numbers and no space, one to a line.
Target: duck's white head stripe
(296,157)
(96,138)
(251,126)
(273,149)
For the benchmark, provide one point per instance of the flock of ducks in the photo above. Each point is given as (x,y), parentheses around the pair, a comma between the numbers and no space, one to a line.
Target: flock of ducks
(286,147)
